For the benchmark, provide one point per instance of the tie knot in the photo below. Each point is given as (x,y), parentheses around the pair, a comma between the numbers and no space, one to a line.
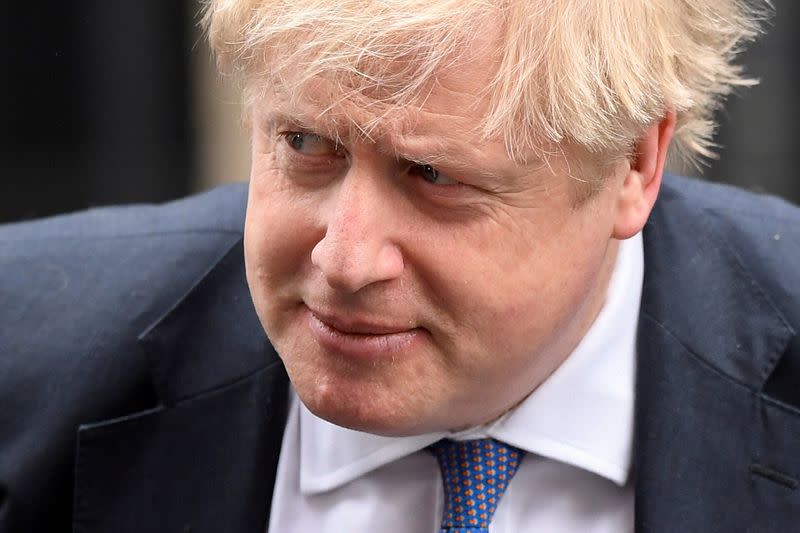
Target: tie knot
(475,474)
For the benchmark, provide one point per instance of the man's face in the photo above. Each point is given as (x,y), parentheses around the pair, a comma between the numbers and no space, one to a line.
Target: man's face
(419,280)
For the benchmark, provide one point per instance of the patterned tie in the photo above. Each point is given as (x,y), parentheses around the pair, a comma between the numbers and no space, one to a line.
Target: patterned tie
(475,474)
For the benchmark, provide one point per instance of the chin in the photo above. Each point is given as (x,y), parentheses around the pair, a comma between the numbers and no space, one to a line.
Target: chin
(383,398)
(368,407)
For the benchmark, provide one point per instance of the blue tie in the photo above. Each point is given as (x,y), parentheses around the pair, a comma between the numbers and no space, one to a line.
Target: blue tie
(475,474)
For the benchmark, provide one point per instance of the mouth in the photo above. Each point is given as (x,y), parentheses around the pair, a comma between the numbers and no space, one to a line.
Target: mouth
(360,338)
(355,326)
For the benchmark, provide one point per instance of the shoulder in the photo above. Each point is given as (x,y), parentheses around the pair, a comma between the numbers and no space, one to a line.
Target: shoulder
(73,281)
(106,272)
(105,264)
(123,239)
(220,210)
(761,233)
(731,205)
(722,271)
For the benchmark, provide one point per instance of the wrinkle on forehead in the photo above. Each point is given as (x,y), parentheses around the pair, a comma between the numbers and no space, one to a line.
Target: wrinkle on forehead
(443,127)
(343,121)
(381,92)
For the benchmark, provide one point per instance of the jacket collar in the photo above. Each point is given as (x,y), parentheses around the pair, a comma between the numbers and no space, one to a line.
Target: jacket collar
(708,341)
(206,457)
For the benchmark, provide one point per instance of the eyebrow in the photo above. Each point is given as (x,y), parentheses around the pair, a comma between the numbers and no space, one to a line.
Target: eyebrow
(273,118)
(436,153)
(442,156)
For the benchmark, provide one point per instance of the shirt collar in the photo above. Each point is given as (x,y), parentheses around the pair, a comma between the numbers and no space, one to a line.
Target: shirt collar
(581,415)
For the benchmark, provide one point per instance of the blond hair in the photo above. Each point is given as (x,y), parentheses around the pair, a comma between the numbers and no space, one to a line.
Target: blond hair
(593,73)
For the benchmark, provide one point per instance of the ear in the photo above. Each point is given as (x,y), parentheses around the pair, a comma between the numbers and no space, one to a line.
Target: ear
(643,180)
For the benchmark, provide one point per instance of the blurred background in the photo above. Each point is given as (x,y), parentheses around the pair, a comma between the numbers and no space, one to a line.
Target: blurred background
(118,102)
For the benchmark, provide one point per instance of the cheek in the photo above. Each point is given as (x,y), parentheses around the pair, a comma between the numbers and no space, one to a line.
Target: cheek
(280,232)
(514,287)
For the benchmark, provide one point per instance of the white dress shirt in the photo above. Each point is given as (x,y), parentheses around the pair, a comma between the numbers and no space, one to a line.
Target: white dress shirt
(577,428)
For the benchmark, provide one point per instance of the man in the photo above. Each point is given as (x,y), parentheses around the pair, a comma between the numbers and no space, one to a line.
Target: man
(452,236)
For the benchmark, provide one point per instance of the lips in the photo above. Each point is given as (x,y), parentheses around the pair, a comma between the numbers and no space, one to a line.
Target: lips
(360,339)
(358,327)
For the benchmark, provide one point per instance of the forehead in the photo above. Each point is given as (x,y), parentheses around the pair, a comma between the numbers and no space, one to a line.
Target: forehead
(369,103)
(389,77)
(388,124)
(441,121)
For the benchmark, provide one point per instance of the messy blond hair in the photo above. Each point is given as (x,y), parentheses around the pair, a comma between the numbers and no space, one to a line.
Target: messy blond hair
(592,73)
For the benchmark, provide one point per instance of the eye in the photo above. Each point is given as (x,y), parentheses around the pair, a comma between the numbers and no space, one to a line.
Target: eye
(431,174)
(311,144)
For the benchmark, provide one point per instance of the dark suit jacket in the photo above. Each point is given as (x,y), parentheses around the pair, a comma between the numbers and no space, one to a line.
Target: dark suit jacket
(138,391)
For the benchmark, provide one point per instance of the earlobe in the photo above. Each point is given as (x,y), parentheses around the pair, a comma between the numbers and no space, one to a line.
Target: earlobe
(642,181)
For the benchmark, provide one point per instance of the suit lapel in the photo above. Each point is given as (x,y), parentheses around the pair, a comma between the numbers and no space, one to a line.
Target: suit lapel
(205,458)
(707,438)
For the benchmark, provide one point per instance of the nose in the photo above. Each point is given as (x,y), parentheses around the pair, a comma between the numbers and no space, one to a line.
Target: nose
(358,248)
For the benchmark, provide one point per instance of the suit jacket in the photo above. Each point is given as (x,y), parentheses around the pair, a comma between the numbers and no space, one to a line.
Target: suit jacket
(138,391)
